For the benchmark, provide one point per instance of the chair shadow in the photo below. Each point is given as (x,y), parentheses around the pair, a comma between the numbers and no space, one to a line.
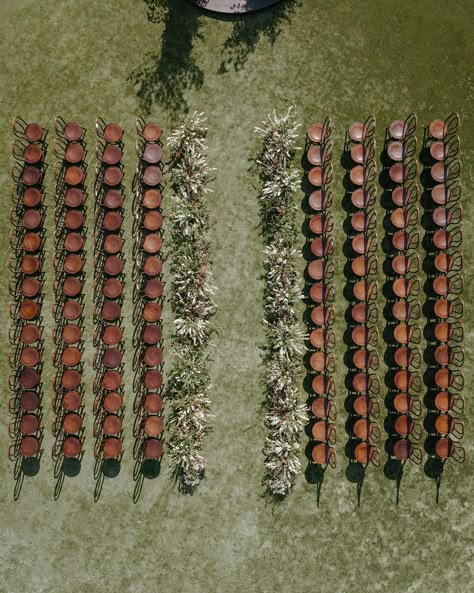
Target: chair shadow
(149,469)
(25,467)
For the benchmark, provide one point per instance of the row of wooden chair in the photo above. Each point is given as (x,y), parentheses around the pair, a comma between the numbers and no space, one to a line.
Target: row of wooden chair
(320,282)
(108,293)
(444,261)
(403,309)
(362,290)
(70,214)
(148,293)
(26,288)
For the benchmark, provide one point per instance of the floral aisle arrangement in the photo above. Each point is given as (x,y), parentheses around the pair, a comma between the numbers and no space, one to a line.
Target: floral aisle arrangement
(191,301)
(285,417)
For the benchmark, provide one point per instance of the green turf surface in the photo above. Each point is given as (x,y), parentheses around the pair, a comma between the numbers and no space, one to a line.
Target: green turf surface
(87,58)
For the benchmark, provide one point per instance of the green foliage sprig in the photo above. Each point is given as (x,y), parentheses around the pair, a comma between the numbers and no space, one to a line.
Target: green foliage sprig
(191,301)
(285,418)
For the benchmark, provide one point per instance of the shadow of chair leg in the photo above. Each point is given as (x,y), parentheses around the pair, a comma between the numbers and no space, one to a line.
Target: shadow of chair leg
(98,486)
(18,486)
(59,485)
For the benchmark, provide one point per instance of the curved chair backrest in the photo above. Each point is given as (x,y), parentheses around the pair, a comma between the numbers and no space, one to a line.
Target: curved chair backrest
(369,127)
(452,123)
(410,125)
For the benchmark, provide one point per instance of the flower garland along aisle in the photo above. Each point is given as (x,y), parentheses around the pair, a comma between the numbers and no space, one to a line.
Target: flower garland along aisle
(191,300)
(285,418)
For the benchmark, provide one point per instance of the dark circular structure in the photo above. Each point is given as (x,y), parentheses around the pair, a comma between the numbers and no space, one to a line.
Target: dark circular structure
(234,6)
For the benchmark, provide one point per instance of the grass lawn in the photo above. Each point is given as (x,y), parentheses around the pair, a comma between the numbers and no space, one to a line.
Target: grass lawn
(117,59)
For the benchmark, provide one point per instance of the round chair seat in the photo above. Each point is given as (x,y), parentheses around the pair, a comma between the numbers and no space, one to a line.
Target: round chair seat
(73,242)
(72,401)
(363,405)
(361,382)
(401,240)
(360,198)
(71,333)
(397,129)
(315,133)
(362,290)
(364,453)
(153,403)
(73,131)
(359,175)
(152,266)
(317,269)
(152,334)
(442,239)
(30,287)
(111,380)
(72,286)
(398,173)
(401,310)
(444,401)
(29,310)
(113,401)
(152,243)
(396,151)
(321,247)
(112,425)
(322,431)
(320,338)
(318,200)
(72,447)
(443,263)
(73,263)
(321,315)
(403,380)
(31,175)
(152,153)
(72,310)
(152,220)
(31,242)
(439,151)
(319,361)
(443,308)
(74,153)
(32,219)
(29,424)
(318,224)
(321,453)
(29,378)
(112,176)
(152,176)
(111,311)
(74,175)
(360,312)
(403,357)
(362,359)
(153,426)
(438,129)
(361,243)
(113,199)
(400,218)
(402,449)
(72,423)
(153,379)
(74,197)
(361,266)
(402,287)
(440,172)
(357,132)
(445,448)
(152,312)
(153,449)
(401,196)
(401,264)
(153,289)
(113,244)
(112,358)
(361,335)
(112,335)
(403,403)
(440,194)
(153,356)
(71,379)
(113,133)
(112,288)
(443,332)
(315,176)
(32,197)
(442,216)
(321,407)
(112,221)
(29,446)
(113,266)
(320,292)
(71,356)
(112,448)
(112,155)
(152,199)
(30,333)
(404,425)
(363,429)
(444,355)
(321,384)
(33,132)
(29,401)
(151,132)
(30,357)
(359,154)
(444,378)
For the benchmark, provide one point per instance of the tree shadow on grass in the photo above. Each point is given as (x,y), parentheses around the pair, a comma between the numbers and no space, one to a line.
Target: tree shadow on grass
(167,74)
(248,29)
